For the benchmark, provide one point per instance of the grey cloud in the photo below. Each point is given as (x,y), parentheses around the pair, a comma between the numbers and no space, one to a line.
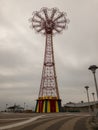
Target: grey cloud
(22,50)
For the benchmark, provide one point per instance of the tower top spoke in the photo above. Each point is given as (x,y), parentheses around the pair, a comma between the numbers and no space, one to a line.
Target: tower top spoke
(61,15)
(38,15)
(46,13)
(53,13)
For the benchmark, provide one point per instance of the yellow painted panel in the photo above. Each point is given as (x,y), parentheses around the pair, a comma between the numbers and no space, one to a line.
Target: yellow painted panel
(37,107)
(57,108)
(44,106)
(48,106)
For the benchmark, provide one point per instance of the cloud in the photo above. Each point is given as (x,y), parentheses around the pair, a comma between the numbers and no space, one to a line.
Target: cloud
(22,50)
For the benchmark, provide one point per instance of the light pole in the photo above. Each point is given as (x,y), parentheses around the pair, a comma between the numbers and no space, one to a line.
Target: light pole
(87,87)
(93,94)
(24,106)
(93,69)
(6,107)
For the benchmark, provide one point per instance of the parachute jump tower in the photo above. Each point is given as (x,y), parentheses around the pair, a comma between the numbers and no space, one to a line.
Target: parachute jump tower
(48,22)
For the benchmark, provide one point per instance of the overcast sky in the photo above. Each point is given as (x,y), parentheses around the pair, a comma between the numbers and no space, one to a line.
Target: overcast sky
(22,51)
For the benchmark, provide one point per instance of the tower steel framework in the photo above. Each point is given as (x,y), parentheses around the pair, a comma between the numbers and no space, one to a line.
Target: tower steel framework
(49,22)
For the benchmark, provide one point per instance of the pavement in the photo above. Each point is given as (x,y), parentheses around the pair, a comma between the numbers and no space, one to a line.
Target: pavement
(94,123)
(11,120)
(46,121)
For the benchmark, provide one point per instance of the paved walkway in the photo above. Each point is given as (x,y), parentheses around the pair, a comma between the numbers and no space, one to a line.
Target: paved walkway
(45,121)
(20,123)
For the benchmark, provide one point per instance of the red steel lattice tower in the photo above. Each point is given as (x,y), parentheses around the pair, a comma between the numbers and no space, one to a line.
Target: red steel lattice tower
(49,22)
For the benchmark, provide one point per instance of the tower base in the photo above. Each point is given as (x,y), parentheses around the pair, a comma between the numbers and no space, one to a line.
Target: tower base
(48,104)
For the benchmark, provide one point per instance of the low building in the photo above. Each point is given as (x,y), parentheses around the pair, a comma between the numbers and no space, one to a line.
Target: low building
(80,107)
(15,108)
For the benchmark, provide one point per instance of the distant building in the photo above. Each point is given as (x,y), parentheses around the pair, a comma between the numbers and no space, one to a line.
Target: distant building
(79,107)
(15,108)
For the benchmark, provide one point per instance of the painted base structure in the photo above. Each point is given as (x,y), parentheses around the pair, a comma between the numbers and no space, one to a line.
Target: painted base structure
(48,104)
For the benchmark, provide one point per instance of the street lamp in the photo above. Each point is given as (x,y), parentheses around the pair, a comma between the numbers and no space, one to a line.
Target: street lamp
(93,94)
(93,69)
(87,87)
(24,105)
(6,106)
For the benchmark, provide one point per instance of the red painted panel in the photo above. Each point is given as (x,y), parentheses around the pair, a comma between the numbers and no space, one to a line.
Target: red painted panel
(40,106)
(52,105)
